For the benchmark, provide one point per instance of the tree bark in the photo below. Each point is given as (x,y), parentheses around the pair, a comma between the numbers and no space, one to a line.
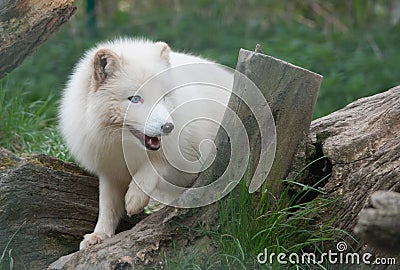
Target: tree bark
(49,205)
(359,151)
(379,224)
(50,201)
(291,93)
(25,25)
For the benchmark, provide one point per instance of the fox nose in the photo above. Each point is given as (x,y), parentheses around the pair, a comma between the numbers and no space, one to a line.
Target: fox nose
(167,128)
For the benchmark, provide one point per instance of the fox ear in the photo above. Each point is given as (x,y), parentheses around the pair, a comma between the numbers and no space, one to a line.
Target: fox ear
(164,50)
(106,62)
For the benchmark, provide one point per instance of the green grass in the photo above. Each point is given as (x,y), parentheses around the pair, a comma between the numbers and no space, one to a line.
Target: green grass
(7,257)
(250,223)
(189,259)
(29,127)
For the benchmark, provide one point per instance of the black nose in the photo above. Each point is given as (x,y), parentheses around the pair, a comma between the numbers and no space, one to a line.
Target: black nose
(167,128)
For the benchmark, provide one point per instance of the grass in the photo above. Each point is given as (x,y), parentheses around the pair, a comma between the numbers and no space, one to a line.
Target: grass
(7,259)
(249,224)
(29,127)
(183,260)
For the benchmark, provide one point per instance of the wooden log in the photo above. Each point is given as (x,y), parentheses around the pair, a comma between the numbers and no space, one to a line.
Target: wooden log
(49,205)
(25,25)
(54,202)
(359,153)
(290,92)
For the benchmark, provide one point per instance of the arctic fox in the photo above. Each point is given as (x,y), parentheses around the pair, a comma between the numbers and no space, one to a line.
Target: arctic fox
(122,100)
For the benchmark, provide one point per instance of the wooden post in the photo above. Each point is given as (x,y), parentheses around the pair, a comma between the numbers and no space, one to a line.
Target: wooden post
(291,93)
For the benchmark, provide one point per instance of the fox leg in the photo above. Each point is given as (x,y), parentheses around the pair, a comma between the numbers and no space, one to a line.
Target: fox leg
(135,198)
(111,209)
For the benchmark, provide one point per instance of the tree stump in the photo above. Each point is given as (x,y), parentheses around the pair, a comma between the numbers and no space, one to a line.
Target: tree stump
(291,92)
(25,25)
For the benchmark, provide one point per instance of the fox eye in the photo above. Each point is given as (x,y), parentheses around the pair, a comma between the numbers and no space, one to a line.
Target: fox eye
(135,99)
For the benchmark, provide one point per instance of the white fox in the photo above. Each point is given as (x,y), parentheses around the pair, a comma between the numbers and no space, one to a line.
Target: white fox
(115,112)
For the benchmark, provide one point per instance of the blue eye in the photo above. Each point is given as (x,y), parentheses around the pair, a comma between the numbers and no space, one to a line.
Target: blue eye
(135,99)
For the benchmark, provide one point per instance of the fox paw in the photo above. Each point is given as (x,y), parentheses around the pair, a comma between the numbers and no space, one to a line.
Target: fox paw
(92,239)
(135,202)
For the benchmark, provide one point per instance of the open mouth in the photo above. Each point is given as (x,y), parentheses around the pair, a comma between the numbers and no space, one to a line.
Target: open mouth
(151,143)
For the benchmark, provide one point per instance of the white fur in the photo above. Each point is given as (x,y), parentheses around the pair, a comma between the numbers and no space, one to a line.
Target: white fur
(92,116)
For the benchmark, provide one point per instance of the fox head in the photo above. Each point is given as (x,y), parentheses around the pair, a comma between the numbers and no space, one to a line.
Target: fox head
(125,92)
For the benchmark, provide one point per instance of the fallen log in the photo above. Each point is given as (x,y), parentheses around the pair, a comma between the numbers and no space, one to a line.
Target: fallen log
(48,204)
(359,153)
(27,24)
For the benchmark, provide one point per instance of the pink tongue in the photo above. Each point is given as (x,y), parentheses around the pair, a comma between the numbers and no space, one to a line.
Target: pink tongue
(152,142)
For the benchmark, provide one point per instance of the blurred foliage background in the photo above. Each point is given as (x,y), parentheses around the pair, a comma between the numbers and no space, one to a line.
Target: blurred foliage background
(354,44)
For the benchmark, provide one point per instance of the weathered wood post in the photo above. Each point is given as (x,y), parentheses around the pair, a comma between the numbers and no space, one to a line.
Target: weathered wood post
(291,93)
